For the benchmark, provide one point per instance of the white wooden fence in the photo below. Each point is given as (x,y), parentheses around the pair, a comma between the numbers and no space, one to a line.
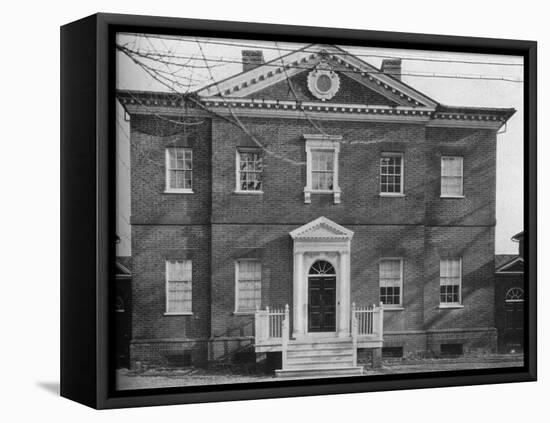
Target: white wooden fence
(365,321)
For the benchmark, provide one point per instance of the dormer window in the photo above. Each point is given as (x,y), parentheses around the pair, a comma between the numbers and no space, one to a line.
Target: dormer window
(322,166)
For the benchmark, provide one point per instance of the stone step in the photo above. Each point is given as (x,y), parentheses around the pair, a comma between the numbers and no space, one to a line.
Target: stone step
(318,345)
(320,359)
(330,372)
(320,352)
(318,364)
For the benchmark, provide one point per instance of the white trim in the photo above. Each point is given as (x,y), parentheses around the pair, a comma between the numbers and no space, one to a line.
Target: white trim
(441,194)
(452,304)
(315,142)
(236,310)
(178,191)
(401,192)
(401,283)
(178,313)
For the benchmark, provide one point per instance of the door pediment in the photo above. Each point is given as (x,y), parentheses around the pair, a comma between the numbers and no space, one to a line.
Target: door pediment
(321,229)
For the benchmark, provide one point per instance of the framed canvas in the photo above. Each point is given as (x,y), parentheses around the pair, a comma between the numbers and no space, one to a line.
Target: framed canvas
(257,211)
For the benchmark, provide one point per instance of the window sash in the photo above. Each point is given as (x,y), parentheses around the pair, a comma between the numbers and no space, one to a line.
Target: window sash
(249,171)
(391,281)
(391,174)
(248,285)
(450,281)
(179,286)
(179,168)
(452,176)
(322,170)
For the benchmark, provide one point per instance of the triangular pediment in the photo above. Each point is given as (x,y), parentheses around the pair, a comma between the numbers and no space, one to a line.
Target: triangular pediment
(322,229)
(270,80)
(515,265)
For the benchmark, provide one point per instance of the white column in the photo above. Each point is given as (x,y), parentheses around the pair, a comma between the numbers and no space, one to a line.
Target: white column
(343,319)
(299,297)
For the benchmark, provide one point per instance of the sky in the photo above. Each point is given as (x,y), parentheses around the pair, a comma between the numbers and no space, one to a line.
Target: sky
(440,75)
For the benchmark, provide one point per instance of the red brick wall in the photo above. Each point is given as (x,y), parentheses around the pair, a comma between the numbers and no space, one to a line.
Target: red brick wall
(150,136)
(152,245)
(284,181)
(478,149)
(214,226)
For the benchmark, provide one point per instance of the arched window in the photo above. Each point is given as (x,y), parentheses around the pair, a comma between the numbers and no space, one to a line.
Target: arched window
(514,295)
(321,268)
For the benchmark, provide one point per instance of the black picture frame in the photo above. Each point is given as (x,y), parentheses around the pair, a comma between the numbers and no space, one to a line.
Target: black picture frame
(87,197)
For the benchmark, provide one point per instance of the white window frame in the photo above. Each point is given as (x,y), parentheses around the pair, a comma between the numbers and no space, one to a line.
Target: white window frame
(392,306)
(453,304)
(442,195)
(169,189)
(316,142)
(167,294)
(237,264)
(238,189)
(402,175)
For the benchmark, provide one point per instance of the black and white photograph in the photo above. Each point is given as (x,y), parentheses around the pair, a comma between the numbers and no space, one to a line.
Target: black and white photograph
(305,211)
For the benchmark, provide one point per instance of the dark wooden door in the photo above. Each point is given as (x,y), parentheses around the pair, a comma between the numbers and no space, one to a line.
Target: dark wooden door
(513,329)
(322,304)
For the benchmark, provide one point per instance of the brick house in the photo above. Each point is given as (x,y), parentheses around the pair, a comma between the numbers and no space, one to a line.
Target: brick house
(313,207)
(509,298)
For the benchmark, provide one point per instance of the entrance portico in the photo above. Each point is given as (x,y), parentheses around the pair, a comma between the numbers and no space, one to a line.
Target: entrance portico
(321,240)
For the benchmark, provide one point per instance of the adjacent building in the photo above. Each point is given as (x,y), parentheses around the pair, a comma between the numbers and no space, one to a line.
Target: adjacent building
(314,207)
(510,298)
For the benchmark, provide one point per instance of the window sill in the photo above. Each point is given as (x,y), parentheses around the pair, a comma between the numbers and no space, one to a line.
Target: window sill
(181,191)
(452,196)
(184,313)
(243,313)
(396,308)
(248,192)
(389,194)
(450,306)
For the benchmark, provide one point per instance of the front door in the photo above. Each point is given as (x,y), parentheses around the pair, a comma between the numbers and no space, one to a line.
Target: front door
(513,331)
(322,304)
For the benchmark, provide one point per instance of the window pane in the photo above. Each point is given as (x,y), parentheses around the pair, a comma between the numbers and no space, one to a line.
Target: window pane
(450,280)
(390,174)
(250,171)
(179,286)
(249,277)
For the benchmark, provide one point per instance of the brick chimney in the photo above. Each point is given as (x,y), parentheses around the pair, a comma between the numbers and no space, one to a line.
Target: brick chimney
(392,67)
(252,59)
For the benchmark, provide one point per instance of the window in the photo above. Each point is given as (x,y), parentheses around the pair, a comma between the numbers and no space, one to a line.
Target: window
(322,170)
(322,166)
(450,275)
(391,281)
(179,170)
(249,171)
(514,295)
(451,350)
(178,287)
(391,174)
(451,176)
(248,295)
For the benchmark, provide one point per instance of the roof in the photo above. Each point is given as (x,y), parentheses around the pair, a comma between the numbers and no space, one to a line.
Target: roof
(513,266)
(123,266)
(518,237)
(243,94)
(501,259)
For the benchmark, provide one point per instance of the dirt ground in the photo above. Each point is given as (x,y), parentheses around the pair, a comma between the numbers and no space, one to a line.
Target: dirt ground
(165,378)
